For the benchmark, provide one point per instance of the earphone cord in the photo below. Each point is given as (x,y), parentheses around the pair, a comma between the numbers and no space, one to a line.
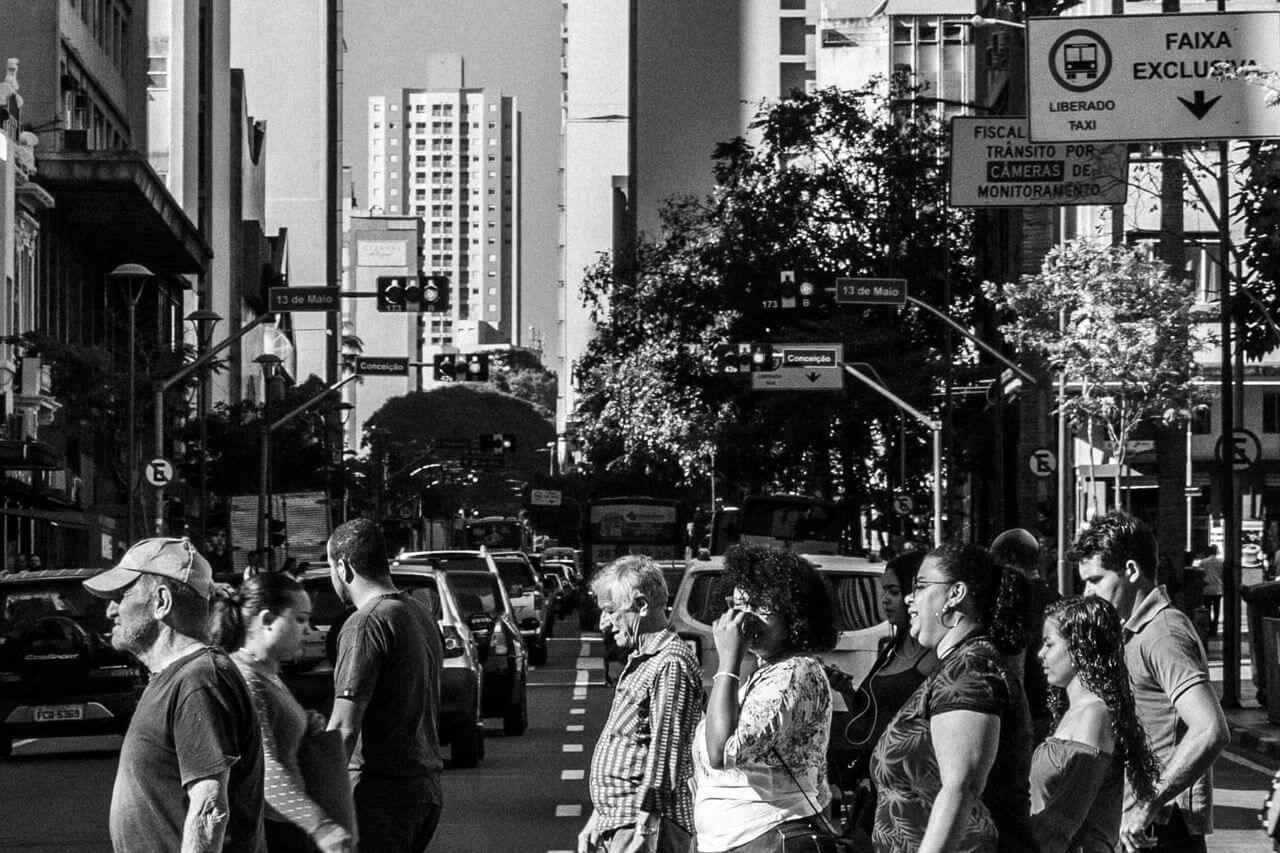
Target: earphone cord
(872,704)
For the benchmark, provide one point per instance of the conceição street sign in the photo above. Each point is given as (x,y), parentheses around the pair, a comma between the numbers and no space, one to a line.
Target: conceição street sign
(1150,77)
(382,366)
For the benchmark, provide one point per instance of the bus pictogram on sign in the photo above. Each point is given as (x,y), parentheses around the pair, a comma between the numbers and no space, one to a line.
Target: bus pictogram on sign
(1080,60)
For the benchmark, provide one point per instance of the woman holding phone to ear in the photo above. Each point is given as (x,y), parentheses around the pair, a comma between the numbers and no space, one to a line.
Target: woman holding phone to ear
(760,753)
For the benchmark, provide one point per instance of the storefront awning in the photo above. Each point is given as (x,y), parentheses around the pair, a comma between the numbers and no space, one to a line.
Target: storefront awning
(119,198)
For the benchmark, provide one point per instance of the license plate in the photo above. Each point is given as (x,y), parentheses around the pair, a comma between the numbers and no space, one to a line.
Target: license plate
(58,713)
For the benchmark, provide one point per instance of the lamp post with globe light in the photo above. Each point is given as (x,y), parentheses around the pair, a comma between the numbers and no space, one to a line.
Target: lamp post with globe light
(134,278)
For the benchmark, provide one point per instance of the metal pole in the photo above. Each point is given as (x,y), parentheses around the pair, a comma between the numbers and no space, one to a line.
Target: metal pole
(1230,508)
(264,445)
(937,485)
(133,393)
(1065,581)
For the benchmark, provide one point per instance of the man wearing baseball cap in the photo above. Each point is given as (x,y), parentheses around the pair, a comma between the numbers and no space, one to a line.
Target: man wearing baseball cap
(190,774)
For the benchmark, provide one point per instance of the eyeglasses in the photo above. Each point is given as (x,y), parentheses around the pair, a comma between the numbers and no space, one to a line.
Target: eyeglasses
(736,604)
(918,586)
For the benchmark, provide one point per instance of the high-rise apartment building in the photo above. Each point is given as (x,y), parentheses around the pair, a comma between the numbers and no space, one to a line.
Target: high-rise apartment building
(450,155)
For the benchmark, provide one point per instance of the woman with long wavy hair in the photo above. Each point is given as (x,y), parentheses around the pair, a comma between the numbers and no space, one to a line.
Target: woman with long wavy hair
(1077,774)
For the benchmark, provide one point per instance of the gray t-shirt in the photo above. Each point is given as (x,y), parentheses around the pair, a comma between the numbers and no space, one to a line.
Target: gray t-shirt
(390,654)
(1165,659)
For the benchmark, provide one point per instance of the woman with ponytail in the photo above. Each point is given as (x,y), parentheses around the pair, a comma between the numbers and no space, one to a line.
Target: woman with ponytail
(1077,774)
(261,626)
(952,766)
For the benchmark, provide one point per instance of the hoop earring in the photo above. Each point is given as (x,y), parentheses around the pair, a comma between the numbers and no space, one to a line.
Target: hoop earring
(943,622)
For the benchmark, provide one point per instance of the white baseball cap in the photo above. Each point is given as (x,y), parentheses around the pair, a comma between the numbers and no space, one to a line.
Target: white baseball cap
(171,558)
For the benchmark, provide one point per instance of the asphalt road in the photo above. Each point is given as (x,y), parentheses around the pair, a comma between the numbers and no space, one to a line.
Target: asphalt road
(529,794)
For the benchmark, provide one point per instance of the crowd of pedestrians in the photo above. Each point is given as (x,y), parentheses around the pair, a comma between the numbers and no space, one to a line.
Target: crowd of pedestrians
(997,717)
(220,756)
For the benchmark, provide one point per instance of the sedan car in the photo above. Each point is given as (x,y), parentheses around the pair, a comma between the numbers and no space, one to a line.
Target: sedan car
(461,720)
(59,675)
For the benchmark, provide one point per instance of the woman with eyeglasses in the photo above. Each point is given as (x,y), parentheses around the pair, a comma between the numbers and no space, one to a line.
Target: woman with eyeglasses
(951,768)
(1077,774)
(760,752)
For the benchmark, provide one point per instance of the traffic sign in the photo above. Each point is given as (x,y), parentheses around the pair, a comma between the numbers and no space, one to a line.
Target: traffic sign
(803,367)
(1043,462)
(1245,449)
(871,291)
(994,164)
(903,505)
(303,299)
(1123,78)
(544,497)
(159,472)
(382,366)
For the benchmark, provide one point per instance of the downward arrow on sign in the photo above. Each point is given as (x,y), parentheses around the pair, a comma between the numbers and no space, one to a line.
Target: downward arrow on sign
(1199,106)
(813,376)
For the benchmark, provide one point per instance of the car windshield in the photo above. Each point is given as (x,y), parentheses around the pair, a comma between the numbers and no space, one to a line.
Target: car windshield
(857,599)
(515,573)
(476,593)
(423,589)
(21,607)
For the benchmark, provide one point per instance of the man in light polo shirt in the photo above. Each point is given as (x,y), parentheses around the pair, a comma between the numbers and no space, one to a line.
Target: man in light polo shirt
(1171,691)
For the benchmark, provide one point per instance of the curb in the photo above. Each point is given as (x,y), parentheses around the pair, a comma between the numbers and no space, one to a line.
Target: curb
(1250,739)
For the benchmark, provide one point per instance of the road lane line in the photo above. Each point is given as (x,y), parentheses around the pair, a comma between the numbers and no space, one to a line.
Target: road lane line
(572,775)
(574,810)
(571,747)
(590,663)
(585,651)
(577,710)
(579,693)
(1244,762)
(574,728)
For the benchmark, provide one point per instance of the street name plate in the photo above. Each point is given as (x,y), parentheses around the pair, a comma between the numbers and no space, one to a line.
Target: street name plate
(382,366)
(303,299)
(1122,78)
(544,497)
(803,367)
(994,163)
(871,291)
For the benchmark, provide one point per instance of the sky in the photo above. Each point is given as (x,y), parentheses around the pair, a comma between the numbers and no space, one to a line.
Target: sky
(513,45)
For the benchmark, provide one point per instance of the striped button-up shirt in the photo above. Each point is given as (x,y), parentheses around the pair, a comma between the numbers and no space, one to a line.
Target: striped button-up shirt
(643,760)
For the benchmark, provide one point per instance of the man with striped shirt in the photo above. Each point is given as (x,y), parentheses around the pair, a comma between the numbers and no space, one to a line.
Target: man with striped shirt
(643,762)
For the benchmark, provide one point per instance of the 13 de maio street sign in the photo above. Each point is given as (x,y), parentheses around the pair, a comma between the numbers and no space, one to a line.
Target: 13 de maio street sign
(1150,77)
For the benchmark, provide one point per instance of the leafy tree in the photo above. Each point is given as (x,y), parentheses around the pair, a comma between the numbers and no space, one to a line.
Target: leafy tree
(1118,326)
(847,182)
(520,374)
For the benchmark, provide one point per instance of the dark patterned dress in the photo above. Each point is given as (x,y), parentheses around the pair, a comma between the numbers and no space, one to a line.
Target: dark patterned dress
(972,677)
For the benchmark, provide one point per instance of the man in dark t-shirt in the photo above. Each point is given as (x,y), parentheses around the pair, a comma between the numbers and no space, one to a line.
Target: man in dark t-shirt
(190,773)
(386,695)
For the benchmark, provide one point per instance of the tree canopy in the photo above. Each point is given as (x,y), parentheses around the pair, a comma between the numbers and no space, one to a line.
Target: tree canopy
(844,182)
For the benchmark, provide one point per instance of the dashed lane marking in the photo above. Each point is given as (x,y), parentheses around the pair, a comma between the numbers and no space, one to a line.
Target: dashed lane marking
(571,747)
(583,678)
(573,728)
(585,651)
(572,775)
(577,711)
(579,693)
(574,810)
(591,663)
(1244,762)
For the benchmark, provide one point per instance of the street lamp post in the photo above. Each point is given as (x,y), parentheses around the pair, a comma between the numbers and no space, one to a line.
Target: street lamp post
(132,275)
(205,321)
(269,362)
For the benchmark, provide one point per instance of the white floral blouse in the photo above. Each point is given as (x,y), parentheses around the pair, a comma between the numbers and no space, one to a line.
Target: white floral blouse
(785,713)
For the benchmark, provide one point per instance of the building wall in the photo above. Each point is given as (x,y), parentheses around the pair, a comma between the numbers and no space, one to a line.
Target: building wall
(285,46)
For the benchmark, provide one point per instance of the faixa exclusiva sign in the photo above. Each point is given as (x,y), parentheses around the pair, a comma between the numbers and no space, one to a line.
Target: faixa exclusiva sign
(1125,78)
(994,163)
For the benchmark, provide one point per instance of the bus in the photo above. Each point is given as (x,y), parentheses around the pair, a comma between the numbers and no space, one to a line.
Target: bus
(799,523)
(633,525)
(496,533)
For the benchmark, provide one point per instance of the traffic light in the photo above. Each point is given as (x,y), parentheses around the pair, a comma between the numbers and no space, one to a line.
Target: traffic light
(725,358)
(477,367)
(435,293)
(498,442)
(275,532)
(445,368)
(394,292)
(761,358)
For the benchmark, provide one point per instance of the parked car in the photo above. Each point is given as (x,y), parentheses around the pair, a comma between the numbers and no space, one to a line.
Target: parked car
(523,588)
(461,721)
(557,591)
(566,572)
(59,675)
(700,600)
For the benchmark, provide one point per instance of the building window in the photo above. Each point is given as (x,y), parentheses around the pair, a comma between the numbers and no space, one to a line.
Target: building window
(797,5)
(791,78)
(791,36)
(1271,411)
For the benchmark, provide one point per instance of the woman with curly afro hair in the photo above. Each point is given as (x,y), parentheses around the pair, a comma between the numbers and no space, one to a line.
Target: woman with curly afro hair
(760,753)
(1077,774)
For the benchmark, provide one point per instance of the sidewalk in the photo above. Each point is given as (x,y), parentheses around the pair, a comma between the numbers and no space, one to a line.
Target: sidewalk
(1251,732)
